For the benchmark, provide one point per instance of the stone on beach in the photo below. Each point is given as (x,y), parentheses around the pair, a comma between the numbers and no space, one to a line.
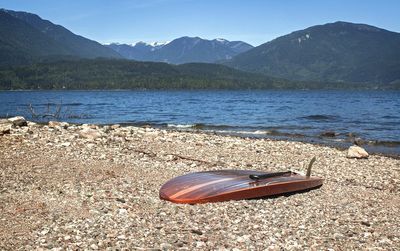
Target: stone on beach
(357,152)
(116,126)
(57,124)
(18,121)
(90,134)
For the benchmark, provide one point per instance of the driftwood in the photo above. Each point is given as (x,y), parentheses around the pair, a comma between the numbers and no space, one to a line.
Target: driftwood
(48,114)
(151,154)
(189,158)
(54,111)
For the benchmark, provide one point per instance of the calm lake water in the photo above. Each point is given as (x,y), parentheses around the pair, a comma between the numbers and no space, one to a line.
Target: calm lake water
(373,116)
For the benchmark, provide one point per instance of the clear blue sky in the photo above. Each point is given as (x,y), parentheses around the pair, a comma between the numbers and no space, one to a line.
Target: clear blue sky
(253,21)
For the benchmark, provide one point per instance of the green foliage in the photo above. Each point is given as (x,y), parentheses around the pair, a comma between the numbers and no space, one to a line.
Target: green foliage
(125,74)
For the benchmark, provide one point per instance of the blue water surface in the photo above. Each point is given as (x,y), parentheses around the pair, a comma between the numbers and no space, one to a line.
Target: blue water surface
(373,116)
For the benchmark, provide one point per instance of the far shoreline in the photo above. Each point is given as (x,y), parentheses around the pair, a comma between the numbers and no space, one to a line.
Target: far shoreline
(207,89)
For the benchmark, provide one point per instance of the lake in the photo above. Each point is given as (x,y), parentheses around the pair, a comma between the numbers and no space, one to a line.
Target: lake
(326,117)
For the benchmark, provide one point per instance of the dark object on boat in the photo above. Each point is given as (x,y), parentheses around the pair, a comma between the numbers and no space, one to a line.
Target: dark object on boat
(223,185)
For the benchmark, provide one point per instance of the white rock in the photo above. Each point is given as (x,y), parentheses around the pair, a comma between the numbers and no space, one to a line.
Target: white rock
(31,124)
(200,244)
(121,237)
(56,124)
(53,124)
(44,232)
(18,121)
(88,133)
(122,211)
(357,152)
(66,144)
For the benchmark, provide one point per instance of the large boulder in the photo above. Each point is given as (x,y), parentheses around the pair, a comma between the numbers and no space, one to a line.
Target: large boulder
(357,152)
(18,121)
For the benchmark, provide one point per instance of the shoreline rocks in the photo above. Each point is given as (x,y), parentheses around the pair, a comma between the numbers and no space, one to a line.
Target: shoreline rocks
(357,152)
(329,134)
(89,133)
(60,190)
(18,121)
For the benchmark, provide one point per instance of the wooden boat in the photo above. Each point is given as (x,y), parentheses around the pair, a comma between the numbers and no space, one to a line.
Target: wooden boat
(223,185)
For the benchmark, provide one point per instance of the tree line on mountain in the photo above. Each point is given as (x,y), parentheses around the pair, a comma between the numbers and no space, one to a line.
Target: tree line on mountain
(126,74)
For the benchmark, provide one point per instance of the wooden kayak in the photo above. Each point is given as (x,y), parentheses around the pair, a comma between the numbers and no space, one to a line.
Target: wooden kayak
(223,185)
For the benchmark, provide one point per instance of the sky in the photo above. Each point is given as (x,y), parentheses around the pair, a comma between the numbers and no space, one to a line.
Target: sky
(252,21)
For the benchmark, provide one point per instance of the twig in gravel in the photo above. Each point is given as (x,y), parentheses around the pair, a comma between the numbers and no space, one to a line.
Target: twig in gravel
(189,158)
(140,248)
(146,153)
(176,155)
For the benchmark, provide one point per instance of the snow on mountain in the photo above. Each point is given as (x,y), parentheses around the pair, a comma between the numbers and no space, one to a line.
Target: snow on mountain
(182,50)
(152,44)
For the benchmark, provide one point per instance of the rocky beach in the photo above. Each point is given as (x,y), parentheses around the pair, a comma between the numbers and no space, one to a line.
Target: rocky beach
(70,187)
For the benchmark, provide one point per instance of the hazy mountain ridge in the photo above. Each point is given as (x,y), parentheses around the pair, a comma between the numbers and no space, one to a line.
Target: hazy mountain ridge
(183,50)
(27,38)
(340,52)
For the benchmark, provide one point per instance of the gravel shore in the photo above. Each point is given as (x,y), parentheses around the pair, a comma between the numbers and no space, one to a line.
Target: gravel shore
(96,187)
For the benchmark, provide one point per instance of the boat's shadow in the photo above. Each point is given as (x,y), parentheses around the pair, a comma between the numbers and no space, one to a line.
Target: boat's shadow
(270,197)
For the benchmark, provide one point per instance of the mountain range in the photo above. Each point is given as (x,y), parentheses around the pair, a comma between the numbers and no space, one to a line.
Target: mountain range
(339,52)
(333,54)
(183,50)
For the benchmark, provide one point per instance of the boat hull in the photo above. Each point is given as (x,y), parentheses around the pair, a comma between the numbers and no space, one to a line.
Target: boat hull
(224,185)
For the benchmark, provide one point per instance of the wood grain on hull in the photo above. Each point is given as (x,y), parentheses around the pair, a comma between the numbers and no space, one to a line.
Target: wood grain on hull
(223,185)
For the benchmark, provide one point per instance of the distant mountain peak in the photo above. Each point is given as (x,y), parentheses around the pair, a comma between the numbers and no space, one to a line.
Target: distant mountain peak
(152,44)
(346,25)
(33,38)
(332,52)
(221,40)
(183,50)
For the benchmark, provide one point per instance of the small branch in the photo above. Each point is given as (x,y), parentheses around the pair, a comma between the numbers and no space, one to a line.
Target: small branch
(32,111)
(58,110)
(144,152)
(189,158)
(176,155)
